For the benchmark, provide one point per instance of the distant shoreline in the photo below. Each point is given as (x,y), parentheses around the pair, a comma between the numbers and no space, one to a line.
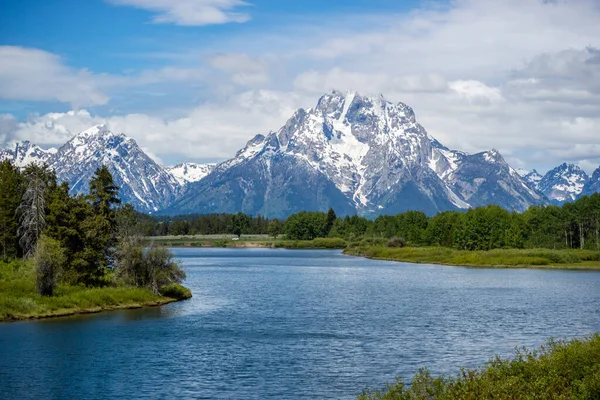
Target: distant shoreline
(575,260)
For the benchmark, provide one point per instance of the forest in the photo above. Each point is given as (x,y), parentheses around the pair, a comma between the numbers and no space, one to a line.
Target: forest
(572,226)
(53,242)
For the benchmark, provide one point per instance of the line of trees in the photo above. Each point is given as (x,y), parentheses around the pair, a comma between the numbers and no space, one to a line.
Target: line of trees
(573,225)
(83,239)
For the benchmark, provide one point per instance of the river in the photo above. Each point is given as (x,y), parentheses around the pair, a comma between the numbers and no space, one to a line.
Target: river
(286,324)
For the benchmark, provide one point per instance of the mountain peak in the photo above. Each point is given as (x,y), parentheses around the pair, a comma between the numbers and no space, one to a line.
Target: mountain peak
(563,183)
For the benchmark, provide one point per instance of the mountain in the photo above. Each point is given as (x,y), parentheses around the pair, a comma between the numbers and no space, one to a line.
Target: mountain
(533,177)
(144,183)
(486,178)
(23,153)
(593,184)
(355,154)
(563,183)
(190,172)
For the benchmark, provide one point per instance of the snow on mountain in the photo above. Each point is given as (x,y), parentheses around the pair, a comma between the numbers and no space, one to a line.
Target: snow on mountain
(23,153)
(143,183)
(190,172)
(593,184)
(533,178)
(522,172)
(563,183)
(363,154)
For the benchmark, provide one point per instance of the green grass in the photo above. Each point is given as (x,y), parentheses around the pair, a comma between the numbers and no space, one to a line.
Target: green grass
(558,370)
(500,258)
(19,299)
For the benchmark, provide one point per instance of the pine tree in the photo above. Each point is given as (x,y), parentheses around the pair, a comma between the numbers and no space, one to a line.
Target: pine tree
(10,198)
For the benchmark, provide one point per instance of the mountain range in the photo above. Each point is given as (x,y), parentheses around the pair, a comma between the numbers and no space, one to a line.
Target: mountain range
(356,154)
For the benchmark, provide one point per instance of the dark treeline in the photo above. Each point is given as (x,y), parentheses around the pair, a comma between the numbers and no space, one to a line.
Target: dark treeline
(209,224)
(86,240)
(574,225)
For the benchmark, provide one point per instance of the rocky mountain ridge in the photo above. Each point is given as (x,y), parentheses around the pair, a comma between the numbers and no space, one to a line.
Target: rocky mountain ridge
(357,154)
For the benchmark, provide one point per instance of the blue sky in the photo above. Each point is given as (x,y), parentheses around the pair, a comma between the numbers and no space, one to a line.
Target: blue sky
(193,80)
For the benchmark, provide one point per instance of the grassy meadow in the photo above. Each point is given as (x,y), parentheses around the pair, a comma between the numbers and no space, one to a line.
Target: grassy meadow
(498,258)
(19,298)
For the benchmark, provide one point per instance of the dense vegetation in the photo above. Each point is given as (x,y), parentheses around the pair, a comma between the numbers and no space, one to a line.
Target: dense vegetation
(68,243)
(574,225)
(538,258)
(559,370)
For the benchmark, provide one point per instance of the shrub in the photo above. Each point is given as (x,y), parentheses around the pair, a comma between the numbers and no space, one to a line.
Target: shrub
(396,242)
(559,370)
(176,291)
(49,259)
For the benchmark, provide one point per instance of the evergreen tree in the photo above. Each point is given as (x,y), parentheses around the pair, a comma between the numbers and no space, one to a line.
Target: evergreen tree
(10,198)
(104,194)
(331,217)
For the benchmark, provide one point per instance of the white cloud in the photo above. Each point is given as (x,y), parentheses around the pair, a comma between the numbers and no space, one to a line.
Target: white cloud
(522,76)
(210,131)
(191,12)
(31,74)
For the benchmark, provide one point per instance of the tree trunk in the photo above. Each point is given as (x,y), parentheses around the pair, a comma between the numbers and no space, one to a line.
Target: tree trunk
(581,236)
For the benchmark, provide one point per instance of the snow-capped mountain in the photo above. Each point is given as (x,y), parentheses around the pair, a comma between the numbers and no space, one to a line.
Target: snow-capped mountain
(593,184)
(24,153)
(190,172)
(144,183)
(355,154)
(563,183)
(533,177)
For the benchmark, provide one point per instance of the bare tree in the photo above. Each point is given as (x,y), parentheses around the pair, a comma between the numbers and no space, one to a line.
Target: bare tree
(32,210)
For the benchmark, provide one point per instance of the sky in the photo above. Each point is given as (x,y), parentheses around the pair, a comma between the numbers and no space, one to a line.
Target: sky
(194,80)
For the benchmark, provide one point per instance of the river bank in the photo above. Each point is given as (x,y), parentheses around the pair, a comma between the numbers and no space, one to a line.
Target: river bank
(560,369)
(19,299)
(498,258)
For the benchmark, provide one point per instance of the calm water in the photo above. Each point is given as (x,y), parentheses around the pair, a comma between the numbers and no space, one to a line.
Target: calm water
(282,324)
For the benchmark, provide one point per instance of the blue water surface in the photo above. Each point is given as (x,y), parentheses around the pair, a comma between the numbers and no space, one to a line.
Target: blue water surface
(286,324)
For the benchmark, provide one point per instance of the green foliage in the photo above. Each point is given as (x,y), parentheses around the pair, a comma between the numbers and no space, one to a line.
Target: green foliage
(239,224)
(153,268)
(274,229)
(176,291)
(582,259)
(11,183)
(49,259)
(19,297)
(558,370)
(396,242)
(306,226)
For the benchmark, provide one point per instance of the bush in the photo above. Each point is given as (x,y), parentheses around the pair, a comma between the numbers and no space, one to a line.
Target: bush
(559,370)
(49,259)
(396,242)
(176,291)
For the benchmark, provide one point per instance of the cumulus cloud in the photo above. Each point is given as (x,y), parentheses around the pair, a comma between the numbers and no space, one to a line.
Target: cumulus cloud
(522,76)
(210,131)
(32,74)
(190,12)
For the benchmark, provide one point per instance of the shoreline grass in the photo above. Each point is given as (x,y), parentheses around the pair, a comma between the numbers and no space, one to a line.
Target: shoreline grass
(19,299)
(557,370)
(499,258)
